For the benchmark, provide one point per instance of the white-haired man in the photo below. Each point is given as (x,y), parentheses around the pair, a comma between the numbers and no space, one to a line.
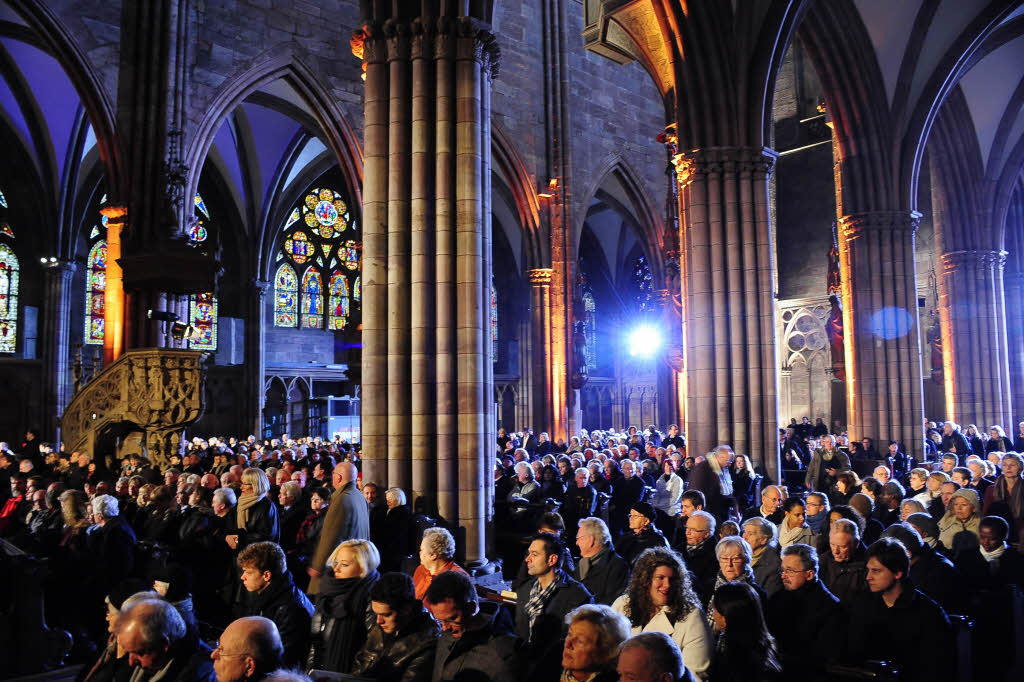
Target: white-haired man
(600,568)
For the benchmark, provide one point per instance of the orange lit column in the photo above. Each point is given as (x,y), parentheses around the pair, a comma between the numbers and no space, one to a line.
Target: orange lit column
(976,367)
(728,290)
(113,295)
(540,341)
(885,397)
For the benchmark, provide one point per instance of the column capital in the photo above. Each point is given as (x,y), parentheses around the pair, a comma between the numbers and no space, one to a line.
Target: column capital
(954,261)
(398,35)
(58,268)
(259,287)
(854,224)
(719,160)
(540,276)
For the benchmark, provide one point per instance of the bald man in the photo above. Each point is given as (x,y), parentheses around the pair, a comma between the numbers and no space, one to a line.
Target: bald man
(770,507)
(249,649)
(347,519)
(152,632)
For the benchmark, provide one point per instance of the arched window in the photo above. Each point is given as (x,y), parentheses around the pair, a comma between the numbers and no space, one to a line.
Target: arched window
(641,281)
(494,319)
(202,308)
(590,327)
(10,272)
(319,244)
(95,286)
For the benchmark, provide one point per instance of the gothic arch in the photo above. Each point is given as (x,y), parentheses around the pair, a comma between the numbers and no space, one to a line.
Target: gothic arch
(511,171)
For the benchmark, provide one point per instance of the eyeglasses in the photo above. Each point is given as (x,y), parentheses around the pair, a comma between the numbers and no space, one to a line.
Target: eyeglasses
(219,653)
(791,571)
(730,560)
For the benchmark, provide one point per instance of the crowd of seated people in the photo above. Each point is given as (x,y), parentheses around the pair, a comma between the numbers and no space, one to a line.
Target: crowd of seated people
(247,560)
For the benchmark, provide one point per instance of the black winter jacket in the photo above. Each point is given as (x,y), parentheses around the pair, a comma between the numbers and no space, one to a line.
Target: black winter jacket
(805,623)
(845,580)
(607,578)
(407,656)
(486,654)
(630,545)
(290,610)
(341,622)
(263,525)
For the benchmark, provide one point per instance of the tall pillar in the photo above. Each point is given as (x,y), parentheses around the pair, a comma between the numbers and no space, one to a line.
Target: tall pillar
(885,397)
(1013,285)
(256,354)
(426,348)
(55,339)
(976,368)
(540,340)
(726,236)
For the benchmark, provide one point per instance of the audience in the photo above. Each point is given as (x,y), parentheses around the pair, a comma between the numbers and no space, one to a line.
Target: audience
(591,646)
(343,617)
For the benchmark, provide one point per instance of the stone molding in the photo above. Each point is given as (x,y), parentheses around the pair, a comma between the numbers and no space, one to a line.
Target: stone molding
(955,261)
(464,38)
(714,161)
(540,276)
(853,225)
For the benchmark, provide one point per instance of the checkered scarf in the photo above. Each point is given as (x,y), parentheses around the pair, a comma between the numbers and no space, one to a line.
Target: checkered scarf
(539,597)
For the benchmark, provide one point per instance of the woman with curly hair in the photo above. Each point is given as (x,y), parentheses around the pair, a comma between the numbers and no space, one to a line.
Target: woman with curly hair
(660,598)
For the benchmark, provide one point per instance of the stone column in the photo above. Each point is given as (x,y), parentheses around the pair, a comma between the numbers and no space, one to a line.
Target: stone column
(1013,285)
(885,398)
(426,350)
(976,368)
(256,354)
(540,341)
(726,236)
(55,337)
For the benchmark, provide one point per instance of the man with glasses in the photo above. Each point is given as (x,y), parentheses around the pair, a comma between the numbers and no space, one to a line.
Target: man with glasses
(153,634)
(642,533)
(600,569)
(477,641)
(249,649)
(804,617)
(699,552)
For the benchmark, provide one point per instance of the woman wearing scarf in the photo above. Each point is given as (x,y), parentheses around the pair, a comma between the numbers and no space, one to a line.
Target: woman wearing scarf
(1006,496)
(962,513)
(255,517)
(343,616)
(794,528)
(734,557)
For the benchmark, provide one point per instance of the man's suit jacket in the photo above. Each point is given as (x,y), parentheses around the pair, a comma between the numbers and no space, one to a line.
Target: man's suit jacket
(347,519)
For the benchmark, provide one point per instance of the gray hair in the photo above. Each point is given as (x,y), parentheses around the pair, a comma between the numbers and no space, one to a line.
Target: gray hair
(736,542)
(226,495)
(440,542)
(105,506)
(520,466)
(663,655)
(157,621)
(597,529)
(612,627)
(701,514)
(808,556)
(766,527)
(397,494)
(911,502)
(846,527)
(291,489)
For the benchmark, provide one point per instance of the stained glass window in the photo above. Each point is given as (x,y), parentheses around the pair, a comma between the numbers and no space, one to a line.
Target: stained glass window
(590,327)
(319,246)
(203,316)
(95,286)
(9,272)
(357,290)
(201,205)
(312,299)
(3,199)
(641,280)
(5,229)
(494,320)
(286,297)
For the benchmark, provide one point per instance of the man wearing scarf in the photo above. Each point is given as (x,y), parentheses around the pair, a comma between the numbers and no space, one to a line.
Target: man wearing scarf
(1005,567)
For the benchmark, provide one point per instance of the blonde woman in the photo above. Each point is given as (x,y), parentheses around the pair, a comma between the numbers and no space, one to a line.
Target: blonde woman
(255,517)
(342,615)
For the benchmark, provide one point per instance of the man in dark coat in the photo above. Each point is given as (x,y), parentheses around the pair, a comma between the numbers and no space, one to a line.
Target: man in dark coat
(600,569)
(271,593)
(154,635)
(843,567)
(673,438)
(804,617)
(953,440)
(699,553)
(642,533)
(478,642)
(543,602)
(347,519)
(931,573)
(898,623)
(770,507)
(712,478)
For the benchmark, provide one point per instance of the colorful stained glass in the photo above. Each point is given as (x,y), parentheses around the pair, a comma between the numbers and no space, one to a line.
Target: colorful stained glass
(350,255)
(286,297)
(326,250)
(95,298)
(3,199)
(338,316)
(197,232)
(201,205)
(292,218)
(203,316)
(590,327)
(9,275)
(642,284)
(494,320)
(326,214)
(312,299)
(357,290)
(298,247)
(95,232)
(6,230)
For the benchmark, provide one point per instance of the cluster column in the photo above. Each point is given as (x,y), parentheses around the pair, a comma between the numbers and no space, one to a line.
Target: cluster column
(56,339)
(729,370)
(975,358)
(885,397)
(426,335)
(255,354)
(540,342)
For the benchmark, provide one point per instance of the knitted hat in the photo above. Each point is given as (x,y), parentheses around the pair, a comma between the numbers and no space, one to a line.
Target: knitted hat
(925,524)
(645,509)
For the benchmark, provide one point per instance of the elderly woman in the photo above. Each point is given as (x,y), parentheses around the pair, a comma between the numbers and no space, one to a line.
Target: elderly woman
(592,646)
(255,516)
(668,494)
(794,529)
(437,555)
(962,513)
(1006,496)
(660,598)
(997,442)
(734,558)
(910,506)
(394,541)
(343,617)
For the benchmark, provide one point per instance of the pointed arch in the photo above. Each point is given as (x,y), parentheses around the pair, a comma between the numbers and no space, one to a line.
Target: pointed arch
(509,166)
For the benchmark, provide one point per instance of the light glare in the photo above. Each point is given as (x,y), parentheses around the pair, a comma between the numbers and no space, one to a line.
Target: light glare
(643,342)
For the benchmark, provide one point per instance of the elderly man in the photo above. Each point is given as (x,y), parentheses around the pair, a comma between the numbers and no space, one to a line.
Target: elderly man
(827,462)
(249,649)
(477,642)
(699,552)
(224,500)
(842,568)
(712,478)
(600,569)
(347,519)
(153,635)
(770,507)
(953,440)
(642,533)
(652,657)
(766,562)
(804,617)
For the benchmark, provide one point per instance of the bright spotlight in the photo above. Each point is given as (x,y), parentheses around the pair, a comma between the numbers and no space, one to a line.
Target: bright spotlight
(643,342)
